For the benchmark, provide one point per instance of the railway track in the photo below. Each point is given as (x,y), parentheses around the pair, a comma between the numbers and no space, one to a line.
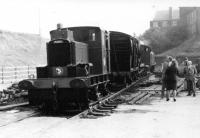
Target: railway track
(16,114)
(21,111)
(105,106)
(133,94)
(7,107)
(128,95)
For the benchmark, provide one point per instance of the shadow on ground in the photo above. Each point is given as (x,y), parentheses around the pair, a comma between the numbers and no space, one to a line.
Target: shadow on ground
(133,111)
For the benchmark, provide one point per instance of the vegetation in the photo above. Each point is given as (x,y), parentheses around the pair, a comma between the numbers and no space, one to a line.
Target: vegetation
(20,49)
(163,39)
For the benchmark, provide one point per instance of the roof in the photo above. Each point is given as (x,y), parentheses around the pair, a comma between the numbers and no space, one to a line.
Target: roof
(164,14)
(119,33)
(84,27)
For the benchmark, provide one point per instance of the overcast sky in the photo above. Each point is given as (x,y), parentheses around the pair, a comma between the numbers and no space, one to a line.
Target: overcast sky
(41,16)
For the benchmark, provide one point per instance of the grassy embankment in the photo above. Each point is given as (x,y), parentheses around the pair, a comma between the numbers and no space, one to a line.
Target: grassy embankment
(20,49)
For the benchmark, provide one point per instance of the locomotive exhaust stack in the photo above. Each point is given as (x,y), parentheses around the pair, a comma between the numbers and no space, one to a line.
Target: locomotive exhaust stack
(59,26)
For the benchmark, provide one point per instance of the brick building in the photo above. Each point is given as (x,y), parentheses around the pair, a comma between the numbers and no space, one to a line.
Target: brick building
(165,18)
(190,18)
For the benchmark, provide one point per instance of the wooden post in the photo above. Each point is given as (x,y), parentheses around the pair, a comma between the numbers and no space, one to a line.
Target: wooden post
(28,71)
(2,74)
(15,73)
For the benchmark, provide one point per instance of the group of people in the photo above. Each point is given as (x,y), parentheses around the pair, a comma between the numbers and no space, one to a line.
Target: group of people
(170,72)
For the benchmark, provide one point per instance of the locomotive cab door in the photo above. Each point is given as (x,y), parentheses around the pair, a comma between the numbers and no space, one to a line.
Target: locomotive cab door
(105,52)
(132,55)
(107,39)
(134,61)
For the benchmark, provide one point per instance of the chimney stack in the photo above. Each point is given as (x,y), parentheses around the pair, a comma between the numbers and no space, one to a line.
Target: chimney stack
(170,13)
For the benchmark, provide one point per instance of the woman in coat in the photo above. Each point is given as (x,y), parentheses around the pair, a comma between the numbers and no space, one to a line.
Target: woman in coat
(171,79)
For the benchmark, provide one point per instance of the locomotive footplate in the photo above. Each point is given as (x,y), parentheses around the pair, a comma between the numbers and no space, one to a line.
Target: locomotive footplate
(74,82)
(58,93)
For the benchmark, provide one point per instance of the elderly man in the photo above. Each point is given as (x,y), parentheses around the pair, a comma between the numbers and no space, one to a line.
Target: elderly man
(190,72)
(165,65)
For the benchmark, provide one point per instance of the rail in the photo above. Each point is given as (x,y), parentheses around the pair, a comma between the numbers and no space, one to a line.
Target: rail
(15,74)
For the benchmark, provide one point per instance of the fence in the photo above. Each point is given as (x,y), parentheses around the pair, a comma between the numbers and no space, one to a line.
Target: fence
(14,74)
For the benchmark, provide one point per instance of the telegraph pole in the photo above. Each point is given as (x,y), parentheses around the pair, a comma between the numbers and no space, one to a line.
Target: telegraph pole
(39,22)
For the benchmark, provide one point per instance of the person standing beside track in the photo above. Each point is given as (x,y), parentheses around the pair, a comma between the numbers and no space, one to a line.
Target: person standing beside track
(171,79)
(190,72)
(165,65)
(185,64)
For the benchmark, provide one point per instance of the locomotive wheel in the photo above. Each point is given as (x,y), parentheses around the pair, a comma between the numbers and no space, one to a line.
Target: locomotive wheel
(127,80)
(108,87)
(103,90)
(93,93)
(83,106)
(134,76)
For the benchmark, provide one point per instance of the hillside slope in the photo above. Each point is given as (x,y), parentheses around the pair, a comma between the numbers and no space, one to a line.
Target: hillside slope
(18,49)
(189,48)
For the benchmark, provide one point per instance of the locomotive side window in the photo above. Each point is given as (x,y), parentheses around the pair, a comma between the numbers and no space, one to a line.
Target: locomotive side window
(81,35)
(84,35)
(146,49)
(92,35)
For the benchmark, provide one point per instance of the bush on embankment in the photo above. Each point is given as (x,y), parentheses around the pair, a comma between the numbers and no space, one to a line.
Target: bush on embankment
(19,49)
(163,39)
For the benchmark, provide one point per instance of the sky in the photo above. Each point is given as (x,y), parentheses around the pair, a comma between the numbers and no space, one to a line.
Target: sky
(41,16)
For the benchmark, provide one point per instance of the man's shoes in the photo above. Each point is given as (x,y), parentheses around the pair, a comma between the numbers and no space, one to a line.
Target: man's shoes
(194,95)
(188,94)
(167,99)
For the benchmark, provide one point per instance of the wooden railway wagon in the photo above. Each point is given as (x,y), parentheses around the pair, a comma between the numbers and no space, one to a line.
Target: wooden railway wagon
(124,57)
(77,69)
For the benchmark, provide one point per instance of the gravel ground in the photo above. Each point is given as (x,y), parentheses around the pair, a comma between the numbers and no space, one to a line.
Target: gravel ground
(158,119)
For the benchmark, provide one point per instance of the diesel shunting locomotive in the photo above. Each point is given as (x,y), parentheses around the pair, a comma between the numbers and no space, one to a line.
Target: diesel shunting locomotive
(81,63)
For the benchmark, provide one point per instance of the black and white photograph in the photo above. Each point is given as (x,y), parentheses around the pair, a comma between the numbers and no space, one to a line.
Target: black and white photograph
(99,69)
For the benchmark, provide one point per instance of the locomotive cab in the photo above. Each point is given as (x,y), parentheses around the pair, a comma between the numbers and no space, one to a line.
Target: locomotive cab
(98,47)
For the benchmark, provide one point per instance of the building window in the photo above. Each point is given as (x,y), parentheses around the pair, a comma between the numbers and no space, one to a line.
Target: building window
(193,29)
(174,23)
(159,24)
(165,24)
(155,24)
